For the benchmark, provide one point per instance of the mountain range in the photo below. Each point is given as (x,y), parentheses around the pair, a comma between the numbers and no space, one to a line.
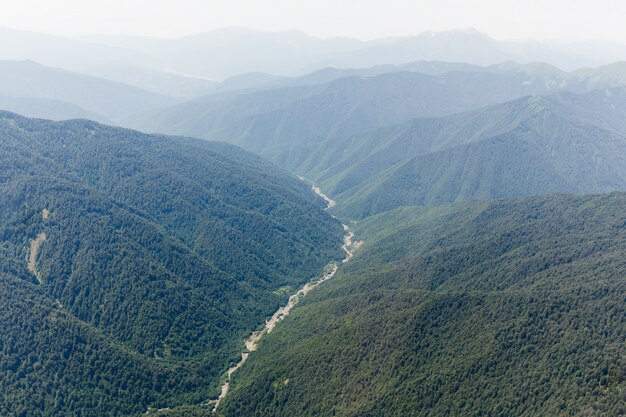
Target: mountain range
(260,120)
(378,142)
(227,52)
(40,91)
(431,225)
(564,142)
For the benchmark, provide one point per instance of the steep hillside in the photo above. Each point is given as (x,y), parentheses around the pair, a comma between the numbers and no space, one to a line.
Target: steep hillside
(273,122)
(319,123)
(565,142)
(594,78)
(54,364)
(509,308)
(161,253)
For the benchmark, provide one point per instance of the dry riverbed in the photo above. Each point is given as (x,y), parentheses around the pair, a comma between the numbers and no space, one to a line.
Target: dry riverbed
(252,342)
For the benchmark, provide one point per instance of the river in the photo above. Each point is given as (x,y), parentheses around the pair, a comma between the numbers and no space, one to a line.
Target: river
(252,342)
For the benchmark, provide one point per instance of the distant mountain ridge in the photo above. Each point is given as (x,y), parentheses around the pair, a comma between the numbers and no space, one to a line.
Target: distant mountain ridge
(561,143)
(82,95)
(160,82)
(224,53)
(382,141)
(580,80)
(303,111)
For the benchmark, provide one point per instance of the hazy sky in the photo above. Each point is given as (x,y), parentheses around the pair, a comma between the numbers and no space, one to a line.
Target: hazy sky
(365,19)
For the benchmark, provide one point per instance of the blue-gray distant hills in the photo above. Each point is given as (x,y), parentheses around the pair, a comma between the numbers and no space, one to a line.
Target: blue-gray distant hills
(223,53)
(403,137)
(560,143)
(32,89)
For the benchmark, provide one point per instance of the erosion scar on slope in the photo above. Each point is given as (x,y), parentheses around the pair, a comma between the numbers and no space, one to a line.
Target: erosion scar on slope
(35,244)
(282,312)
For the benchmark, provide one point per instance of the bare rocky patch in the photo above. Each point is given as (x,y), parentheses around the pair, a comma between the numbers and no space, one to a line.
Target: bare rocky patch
(35,245)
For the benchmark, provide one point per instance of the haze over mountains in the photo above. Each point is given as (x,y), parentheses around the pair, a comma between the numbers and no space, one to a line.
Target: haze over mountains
(223,53)
(344,105)
(87,96)
(379,142)
(463,197)
(560,143)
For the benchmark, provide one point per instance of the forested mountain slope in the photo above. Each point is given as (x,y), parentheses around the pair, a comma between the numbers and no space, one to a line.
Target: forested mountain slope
(266,122)
(154,258)
(419,89)
(511,307)
(358,136)
(564,142)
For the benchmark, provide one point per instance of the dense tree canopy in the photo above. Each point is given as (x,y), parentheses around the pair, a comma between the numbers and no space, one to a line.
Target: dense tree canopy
(160,255)
(509,308)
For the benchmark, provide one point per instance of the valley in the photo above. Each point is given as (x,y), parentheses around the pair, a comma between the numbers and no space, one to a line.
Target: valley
(395,138)
(166,294)
(206,221)
(252,342)
(473,300)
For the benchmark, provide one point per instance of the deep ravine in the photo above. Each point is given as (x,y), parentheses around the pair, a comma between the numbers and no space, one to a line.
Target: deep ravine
(252,342)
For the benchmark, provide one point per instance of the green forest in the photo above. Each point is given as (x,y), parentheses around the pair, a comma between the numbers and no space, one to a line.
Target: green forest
(160,256)
(497,308)
(468,221)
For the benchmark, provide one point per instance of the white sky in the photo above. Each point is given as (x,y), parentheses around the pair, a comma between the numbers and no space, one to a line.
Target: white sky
(365,19)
